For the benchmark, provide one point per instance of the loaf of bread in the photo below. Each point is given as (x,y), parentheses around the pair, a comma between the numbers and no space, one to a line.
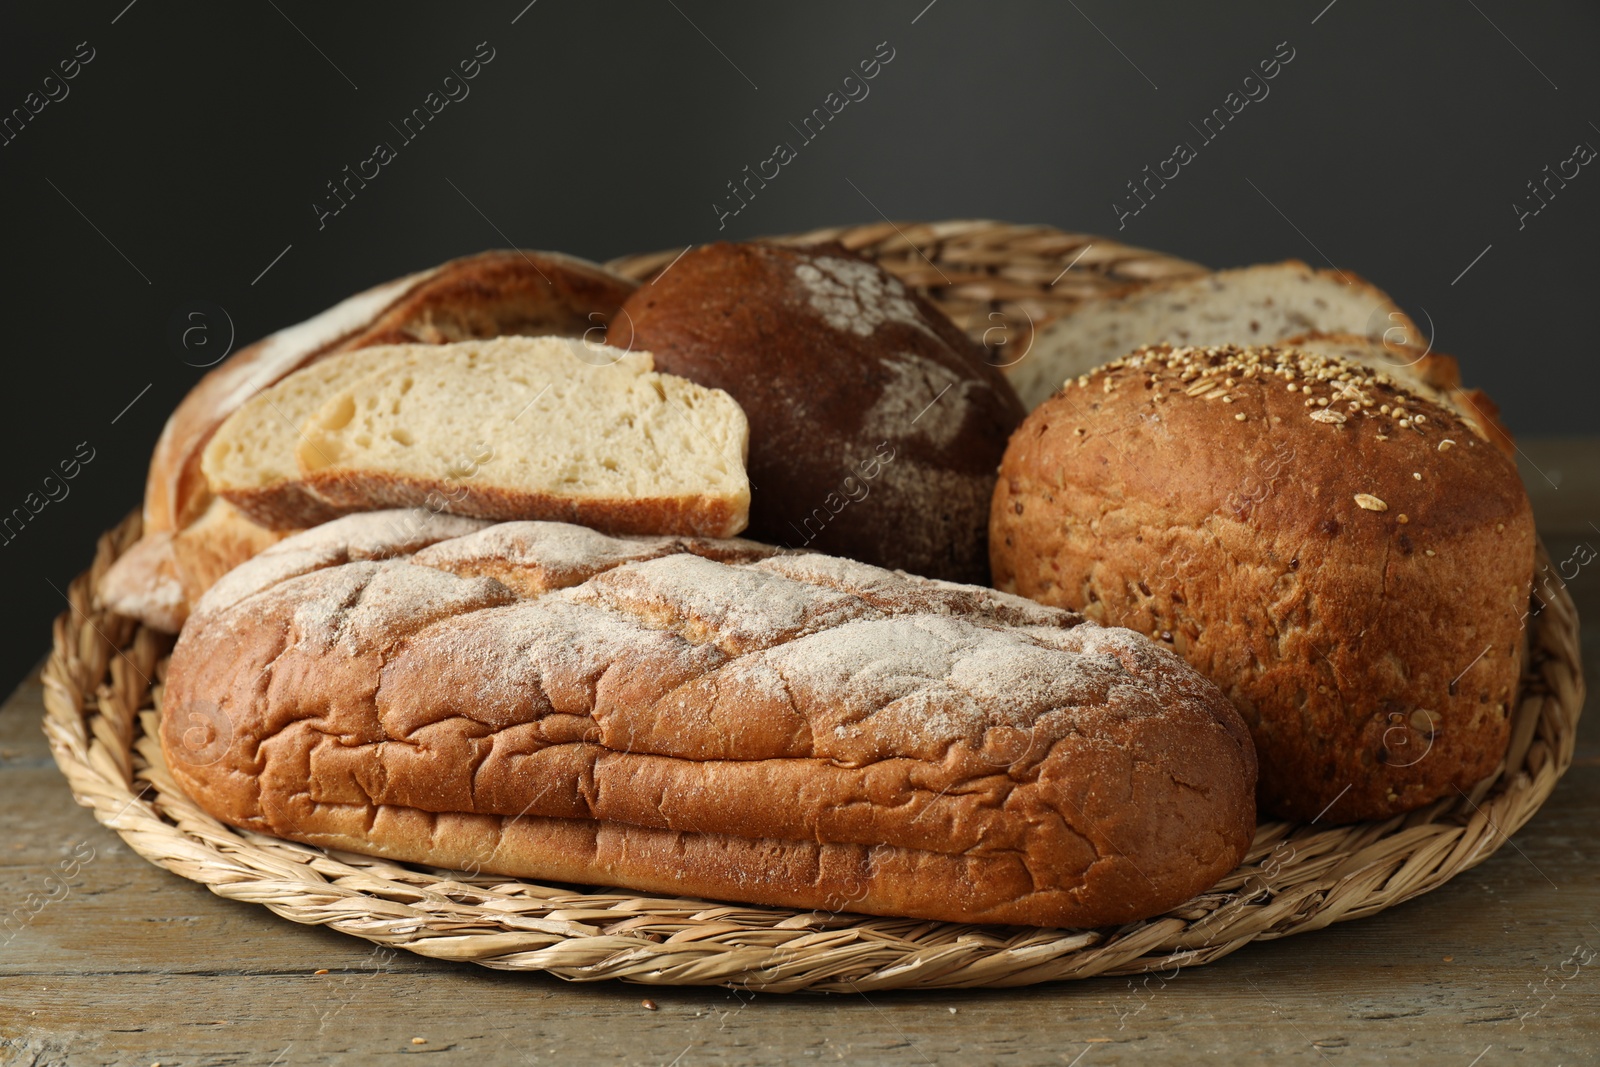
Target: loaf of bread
(486,295)
(710,718)
(1348,560)
(875,424)
(509,428)
(1246,306)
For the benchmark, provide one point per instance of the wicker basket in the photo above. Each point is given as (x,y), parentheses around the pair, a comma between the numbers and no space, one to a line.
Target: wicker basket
(102,687)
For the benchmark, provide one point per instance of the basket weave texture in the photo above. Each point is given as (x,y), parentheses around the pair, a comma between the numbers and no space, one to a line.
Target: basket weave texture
(102,687)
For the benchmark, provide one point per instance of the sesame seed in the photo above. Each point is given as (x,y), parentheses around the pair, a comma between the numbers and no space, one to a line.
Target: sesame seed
(1417,475)
(1322,415)
(1446,443)
(1370,502)
(1500,526)
(1401,518)
(1427,551)
(1322,401)
(1240,417)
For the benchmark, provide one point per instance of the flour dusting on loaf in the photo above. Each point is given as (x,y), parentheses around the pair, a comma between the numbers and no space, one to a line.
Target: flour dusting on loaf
(854,295)
(731,720)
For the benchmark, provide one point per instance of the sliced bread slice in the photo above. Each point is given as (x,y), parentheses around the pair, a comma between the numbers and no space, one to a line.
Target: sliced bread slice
(533,428)
(250,460)
(1249,305)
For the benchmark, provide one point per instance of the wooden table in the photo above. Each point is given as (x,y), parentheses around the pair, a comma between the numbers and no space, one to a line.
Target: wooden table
(127,964)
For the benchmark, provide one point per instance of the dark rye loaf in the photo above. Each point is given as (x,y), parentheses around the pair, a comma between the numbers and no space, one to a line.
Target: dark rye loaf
(703,717)
(875,424)
(1347,559)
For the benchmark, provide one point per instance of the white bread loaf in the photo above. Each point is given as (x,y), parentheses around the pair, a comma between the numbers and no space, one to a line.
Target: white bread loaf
(1250,305)
(514,427)
(189,534)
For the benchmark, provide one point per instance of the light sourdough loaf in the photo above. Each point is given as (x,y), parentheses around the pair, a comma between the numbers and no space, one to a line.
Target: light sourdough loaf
(703,717)
(1249,305)
(514,427)
(189,534)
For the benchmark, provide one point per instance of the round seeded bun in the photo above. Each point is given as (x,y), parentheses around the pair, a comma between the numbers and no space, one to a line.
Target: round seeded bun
(1348,561)
(875,423)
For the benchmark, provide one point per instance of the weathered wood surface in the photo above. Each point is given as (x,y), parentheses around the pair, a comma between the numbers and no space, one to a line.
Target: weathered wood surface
(111,960)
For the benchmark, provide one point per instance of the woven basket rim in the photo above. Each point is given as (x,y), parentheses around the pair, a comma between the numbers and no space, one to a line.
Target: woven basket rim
(102,677)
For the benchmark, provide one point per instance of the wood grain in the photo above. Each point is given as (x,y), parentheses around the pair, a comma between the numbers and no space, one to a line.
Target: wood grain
(128,964)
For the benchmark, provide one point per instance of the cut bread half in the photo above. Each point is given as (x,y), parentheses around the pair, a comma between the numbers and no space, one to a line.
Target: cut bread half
(532,428)
(250,461)
(1247,306)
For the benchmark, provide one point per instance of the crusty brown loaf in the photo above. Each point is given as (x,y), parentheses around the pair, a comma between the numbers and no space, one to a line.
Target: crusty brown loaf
(1438,377)
(1350,563)
(712,718)
(875,424)
(485,295)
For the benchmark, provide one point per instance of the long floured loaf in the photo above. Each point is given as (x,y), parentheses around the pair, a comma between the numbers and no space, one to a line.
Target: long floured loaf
(705,717)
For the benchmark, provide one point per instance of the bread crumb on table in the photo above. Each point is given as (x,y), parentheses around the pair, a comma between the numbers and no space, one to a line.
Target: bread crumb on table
(1370,502)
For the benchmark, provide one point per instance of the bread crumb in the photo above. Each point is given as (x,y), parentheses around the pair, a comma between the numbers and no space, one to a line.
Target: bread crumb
(320,970)
(1324,415)
(952,1011)
(419,1041)
(1370,502)
(1449,959)
(647,1004)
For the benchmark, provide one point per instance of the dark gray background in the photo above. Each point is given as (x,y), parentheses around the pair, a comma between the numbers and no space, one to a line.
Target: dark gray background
(188,153)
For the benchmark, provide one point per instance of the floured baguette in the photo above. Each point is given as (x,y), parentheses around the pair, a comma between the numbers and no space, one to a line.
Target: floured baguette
(703,717)
(1250,305)
(520,427)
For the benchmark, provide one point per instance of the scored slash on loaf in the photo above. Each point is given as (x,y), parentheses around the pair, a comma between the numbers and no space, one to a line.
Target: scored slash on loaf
(542,700)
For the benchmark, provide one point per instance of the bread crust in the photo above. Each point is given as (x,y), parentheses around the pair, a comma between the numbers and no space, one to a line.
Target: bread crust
(705,515)
(875,423)
(484,295)
(542,701)
(1355,585)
